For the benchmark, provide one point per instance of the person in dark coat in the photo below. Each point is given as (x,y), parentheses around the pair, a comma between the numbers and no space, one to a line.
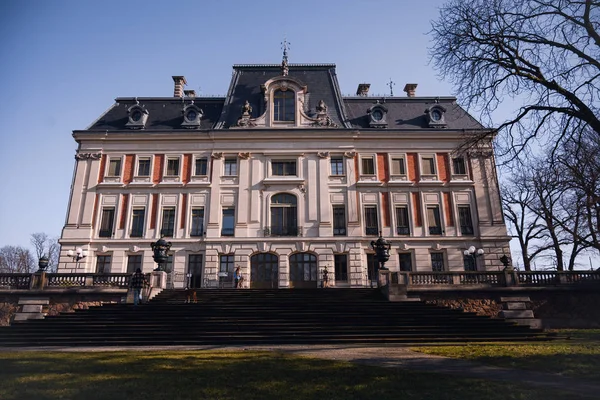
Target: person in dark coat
(137,283)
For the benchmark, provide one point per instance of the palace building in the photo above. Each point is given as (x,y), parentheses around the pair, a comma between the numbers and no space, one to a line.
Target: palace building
(284,177)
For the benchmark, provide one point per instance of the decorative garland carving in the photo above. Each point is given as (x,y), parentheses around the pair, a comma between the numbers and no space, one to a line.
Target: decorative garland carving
(244,156)
(323,154)
(216,155)
(350,154)
(88,156)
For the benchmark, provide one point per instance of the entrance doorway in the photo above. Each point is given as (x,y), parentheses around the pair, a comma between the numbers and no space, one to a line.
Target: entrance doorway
(195,269)
(372,269)
(303,270)
(264,271)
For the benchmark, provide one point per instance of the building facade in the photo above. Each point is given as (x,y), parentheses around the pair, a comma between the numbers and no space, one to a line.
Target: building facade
(283,176)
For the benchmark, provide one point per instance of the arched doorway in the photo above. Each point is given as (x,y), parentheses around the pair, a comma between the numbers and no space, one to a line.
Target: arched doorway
(303,270)
(264,271)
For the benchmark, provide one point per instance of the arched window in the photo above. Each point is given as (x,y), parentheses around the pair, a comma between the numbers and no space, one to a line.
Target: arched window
(284,215)
(284,106)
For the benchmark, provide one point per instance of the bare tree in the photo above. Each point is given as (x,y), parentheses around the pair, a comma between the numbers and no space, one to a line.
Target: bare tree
(45,245)
(544,55)
(16,259)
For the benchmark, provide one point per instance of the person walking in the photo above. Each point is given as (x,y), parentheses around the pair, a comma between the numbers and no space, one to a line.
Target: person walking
(137,283)
(237,277)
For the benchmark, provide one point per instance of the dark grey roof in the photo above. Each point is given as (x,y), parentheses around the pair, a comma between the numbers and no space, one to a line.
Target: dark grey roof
(164,113)
(320,79)
(409,112)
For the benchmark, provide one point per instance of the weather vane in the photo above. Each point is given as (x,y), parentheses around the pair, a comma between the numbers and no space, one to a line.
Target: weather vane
(391,84)
(285,45)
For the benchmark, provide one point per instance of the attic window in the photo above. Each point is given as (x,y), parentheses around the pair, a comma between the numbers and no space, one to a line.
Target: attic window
(137,117)
(284,106)
(436,116)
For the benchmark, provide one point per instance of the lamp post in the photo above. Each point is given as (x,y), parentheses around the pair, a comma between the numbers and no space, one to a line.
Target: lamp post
(161,253)
(473,253)
(77,255)
(382,250)
(43,263)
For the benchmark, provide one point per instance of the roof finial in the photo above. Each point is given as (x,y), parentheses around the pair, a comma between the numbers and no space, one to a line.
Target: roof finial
(391,84)
(285,45)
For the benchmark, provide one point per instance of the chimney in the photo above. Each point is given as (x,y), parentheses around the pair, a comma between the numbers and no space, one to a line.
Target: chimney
(190,93)
(180,82)
(363,89)
(410,88)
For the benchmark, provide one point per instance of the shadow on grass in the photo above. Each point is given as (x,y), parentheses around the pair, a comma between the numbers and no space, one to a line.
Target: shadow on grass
(226,375)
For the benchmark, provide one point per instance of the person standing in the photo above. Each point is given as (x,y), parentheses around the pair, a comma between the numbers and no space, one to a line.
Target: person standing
(137,283)
(237,277)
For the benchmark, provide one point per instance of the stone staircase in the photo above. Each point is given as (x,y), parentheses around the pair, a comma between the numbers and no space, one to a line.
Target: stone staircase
(265,317)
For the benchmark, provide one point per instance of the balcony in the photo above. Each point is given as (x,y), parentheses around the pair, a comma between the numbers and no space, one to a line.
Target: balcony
(105,233)
(435,230)
(466,229)
(275,231)
(137,233)
(403,230)
(371,231)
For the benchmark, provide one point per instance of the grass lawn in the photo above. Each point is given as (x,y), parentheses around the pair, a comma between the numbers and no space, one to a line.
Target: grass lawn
(578,356)
(215,375)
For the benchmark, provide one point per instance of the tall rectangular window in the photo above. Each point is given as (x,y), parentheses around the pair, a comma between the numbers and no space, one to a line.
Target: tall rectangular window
(103,264)
(464,217)
(368,166)
(427,166)
(372,266)
(283,168)
(114,167)
(469,263)
(434,221)
(230,167)
(458,166)
(226,267)
(437,262)
(137,222)
(197,222)
(201,167)
(371,221)
(341,267)
(339,220)
(402,223)
(143,166)
(195,269)
(173,166)
(107,222)
(405,262)
(337,165)
(398,167)
(228,225)
(134,262)
(168,222)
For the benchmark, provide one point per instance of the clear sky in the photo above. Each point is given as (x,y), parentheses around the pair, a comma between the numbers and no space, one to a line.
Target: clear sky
(64,62)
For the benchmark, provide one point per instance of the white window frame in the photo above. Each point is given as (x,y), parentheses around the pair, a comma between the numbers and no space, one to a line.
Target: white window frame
(409,218)
(172,178)
(237,167)
(459,177)
(113,178)
(199,157)
(136,172)
(434,175)
(283,159)
(175,220)
(368,177)
(398,177)
(340,157)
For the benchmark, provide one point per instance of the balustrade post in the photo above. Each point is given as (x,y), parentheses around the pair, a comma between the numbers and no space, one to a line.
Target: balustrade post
(32,282)
(88,281)
(563,279)
(455,279)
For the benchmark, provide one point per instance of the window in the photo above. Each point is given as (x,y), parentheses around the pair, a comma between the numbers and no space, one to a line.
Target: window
(201,167)
(114,167)
(341,267)
(106,223)
(458,166)
(371,223)
(339,220)
(469,263)
(227,228)
(398,167)
(433,218)
(137,222)
(427,166)
(337,165)
(230,167)
(372,266)
(437,262)
(303,268)
(368,167)
(464,217)
(103,265)
(402,223)
(143,166)
(405,262)
(226,268)
(134,262)
(173,167)
(168,222)
(284,215)
(197,222)
(283,168)
(284,106)
(195,269)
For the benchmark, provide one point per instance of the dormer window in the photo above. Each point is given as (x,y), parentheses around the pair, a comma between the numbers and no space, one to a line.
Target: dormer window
(137,117)
(436,116)
(377,116)
(284,106)
(191,116)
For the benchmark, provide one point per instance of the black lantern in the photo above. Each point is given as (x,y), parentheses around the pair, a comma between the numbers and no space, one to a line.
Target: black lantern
(382,250)
(161,253)
(43,263)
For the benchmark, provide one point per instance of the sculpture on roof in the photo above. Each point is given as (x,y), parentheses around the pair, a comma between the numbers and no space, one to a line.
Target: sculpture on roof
(246,108)
(322,119)
(284,63)
(245,120)
(321,107)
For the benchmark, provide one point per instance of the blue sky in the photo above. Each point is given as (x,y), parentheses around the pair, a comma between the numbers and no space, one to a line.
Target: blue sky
(64,63)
